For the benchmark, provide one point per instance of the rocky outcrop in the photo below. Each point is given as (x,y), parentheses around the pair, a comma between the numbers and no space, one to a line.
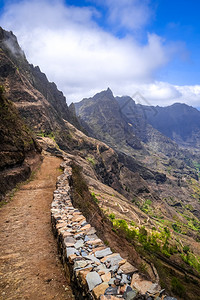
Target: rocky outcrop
(17,148)
(96,272)
(42,106)
(105,121)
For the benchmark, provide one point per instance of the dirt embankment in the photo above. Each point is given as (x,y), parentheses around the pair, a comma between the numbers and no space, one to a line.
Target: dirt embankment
(29,265)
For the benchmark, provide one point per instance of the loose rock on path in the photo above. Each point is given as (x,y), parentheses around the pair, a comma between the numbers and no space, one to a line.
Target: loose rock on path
(29,265)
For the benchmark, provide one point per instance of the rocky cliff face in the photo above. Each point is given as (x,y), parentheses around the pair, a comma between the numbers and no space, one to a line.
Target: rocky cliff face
(105,121)
(17,148)
(39,102)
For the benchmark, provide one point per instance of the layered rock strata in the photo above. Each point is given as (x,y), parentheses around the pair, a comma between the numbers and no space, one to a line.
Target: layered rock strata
(96,272)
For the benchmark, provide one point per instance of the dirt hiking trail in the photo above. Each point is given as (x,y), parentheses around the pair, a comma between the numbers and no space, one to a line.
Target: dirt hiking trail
(29,264)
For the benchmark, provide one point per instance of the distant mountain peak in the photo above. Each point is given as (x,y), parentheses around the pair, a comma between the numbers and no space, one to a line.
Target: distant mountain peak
(104,95)
(109,90)
(9,43)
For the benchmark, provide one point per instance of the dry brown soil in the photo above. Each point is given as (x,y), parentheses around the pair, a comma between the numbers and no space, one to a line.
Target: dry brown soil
(29,264)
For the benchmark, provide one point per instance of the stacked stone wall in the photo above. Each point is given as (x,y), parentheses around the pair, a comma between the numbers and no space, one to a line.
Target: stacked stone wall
(96,272)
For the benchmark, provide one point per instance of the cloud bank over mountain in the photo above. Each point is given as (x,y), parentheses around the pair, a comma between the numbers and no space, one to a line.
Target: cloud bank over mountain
(83,57)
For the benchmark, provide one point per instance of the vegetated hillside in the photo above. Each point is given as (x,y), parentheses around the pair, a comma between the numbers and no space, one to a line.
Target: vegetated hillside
(153,212)
(18,147)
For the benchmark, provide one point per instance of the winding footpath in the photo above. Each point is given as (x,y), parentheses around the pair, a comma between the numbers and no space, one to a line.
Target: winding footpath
(29,265)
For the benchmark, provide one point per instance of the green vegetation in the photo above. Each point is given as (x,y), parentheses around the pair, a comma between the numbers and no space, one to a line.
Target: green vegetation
(94,197)
(91,160)
(143,267)
(196,165)
(176,227)
(2,89)
(151,241)
(155,241)
(146,206)
(106,243)
(45,134)
(190,259)
(112,216)
(177,287)
(195,187)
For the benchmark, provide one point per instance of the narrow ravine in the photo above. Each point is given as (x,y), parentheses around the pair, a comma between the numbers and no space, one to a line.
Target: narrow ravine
(29,265)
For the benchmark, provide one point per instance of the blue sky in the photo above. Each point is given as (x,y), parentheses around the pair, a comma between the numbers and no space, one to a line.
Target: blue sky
(176,21)
(150,46)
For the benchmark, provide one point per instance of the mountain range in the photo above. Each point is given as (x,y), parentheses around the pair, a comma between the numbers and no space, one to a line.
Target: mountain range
(140,164)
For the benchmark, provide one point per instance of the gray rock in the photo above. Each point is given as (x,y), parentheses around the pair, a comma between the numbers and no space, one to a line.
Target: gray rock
(92,237)
(170,298)
(79,244)
(78,235)
(131,295)
(114,260)
(80,264)
(114,269)
(111,291)
(103,253)
(93,279)
(93,259)
(102,268)
(70,250)
(111,281)
(125,279)
(86,239)
(69,241)
(91,231)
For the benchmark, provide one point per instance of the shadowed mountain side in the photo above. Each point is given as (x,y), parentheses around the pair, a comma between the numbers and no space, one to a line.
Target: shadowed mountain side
(30,89)
(105,121)
(18,148)
(179,122)
(136,117)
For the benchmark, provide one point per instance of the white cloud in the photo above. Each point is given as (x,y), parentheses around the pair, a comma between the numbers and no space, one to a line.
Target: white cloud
(74,52)
(129,14)
(163,93)
(82,59)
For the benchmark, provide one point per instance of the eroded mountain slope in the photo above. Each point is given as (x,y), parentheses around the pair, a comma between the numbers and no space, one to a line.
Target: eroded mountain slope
(152,211)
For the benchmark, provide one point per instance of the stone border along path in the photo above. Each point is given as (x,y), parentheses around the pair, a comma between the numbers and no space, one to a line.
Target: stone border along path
(96,272)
